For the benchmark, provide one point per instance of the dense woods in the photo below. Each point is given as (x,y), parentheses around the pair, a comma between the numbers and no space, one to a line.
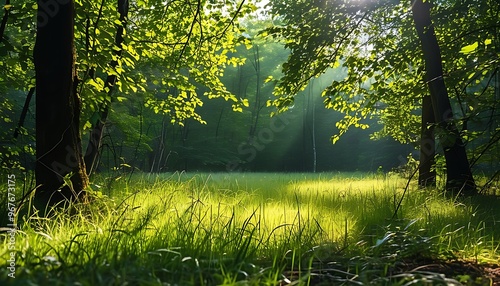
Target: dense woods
(143,75)
(103,91)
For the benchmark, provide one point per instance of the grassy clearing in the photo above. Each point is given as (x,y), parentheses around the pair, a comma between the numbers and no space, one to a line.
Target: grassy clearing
(255,229)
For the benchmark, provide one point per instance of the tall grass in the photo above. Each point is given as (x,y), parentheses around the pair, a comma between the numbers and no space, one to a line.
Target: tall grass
(267,229)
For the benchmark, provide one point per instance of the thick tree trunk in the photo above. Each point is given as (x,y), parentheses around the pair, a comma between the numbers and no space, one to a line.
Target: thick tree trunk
(58,144)
(459,177)
(97,130)
(426,172)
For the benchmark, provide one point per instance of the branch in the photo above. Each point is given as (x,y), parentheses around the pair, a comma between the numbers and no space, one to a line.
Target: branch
(198,9)
(4,19)
(24,112)
(490,144)
(333,55)
(162,43)
(232,19)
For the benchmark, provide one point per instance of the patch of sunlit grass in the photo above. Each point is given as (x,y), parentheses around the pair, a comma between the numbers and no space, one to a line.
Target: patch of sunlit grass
(222,228)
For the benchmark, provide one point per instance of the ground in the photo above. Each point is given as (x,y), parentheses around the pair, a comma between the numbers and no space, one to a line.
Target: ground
(438,272)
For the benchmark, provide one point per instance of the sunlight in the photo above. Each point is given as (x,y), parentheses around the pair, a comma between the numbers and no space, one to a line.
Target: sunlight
(249,142)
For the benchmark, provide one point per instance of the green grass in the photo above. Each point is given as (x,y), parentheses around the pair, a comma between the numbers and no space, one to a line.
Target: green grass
(253,229)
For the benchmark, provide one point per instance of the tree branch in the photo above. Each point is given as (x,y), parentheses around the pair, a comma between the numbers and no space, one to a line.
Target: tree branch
(4,19)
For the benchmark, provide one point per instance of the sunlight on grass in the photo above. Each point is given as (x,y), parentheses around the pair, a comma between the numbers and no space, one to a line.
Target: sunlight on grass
(210,228)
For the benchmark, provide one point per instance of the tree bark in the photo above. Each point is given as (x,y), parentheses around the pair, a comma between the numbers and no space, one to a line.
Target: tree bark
(426,172)
(459,176)
(97,129)
(60,170)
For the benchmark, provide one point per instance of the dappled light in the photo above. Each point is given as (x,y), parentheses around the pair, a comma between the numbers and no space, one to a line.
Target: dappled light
(250,142)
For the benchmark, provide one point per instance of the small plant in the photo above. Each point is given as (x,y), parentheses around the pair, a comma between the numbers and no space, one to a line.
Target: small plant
(400,242)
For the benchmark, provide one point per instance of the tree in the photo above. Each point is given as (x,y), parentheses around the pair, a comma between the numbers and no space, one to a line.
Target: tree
(459,176)
(427,171)
(375,42)
(60,169)
(97,128)
(168,55)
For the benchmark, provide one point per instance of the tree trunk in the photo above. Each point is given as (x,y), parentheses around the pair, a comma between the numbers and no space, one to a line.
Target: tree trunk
(426,172)
(313,128)
(459,176)
(59,158)
(257,107)
(97,129)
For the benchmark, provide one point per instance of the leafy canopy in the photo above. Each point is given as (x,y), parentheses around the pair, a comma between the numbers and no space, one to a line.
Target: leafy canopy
(375,44)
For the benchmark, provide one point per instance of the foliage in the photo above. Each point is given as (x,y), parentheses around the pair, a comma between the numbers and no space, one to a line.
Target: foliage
(170,58)
(375,42)
(16,46)
(16,78)
(167,53)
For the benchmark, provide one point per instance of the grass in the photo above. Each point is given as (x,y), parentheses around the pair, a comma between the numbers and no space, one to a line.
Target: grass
(255,229)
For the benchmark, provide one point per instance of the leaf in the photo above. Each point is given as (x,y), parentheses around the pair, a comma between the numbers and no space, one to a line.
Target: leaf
(471,75)
(487,42)
(384,239)
(268,79)
(469,49)
(87,125)
(98,83)
(237,108)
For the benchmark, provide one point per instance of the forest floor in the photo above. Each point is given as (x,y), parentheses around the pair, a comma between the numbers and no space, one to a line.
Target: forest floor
(488,274)
(435,272)
(259,229)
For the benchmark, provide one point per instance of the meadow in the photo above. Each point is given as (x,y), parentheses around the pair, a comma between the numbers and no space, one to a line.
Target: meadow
(259,229)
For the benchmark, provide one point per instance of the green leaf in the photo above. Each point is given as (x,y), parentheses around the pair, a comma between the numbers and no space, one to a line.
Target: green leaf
(87,125)
(469,49)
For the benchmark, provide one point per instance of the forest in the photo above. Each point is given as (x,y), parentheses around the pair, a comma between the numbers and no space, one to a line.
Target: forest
(250,142)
